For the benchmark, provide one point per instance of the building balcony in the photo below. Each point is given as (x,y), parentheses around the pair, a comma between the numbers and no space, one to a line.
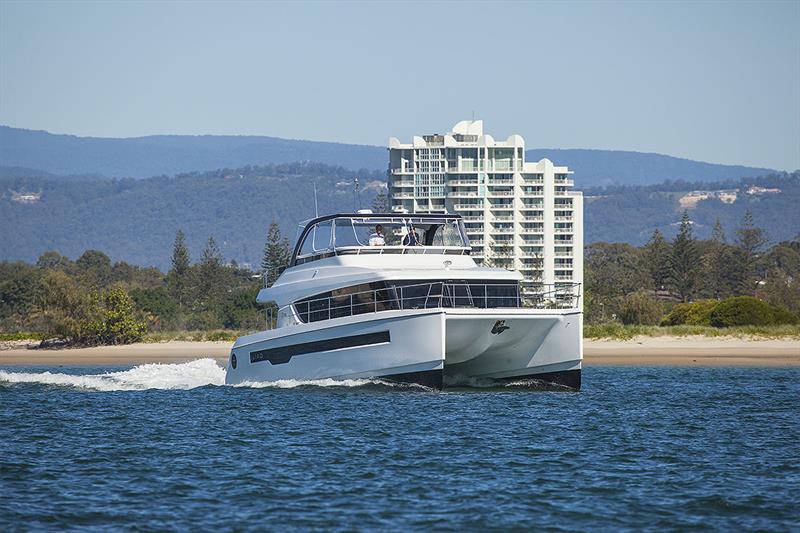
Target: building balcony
(563,254)
(564,218)
(499,193)
(563,230)
(502,231)
(463,183)
(404,170)
(562,277)
(501,244)
(504,218)
(533,218)
(474,231)
(402,183)
(472,219)
(563,243)
(506,182)
(532,231)
(403,195)
(532,207)
(467,207)
(532,242)
(565,182)
(533,181)
(476,242)
(532,194)
(462,194)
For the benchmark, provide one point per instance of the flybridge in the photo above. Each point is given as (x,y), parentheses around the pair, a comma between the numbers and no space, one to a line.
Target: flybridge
(380,233)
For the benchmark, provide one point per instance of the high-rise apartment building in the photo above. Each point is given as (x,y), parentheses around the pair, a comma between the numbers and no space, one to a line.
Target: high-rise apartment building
(518,215)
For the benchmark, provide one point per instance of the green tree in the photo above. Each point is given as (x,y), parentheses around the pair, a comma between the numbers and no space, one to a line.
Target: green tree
(117,323)
(716,266)
(178,276)
(63,307)
(94,269)
(750,240)
(276,254)
(640,307)
(210,277)
(657,259)
(683,261)
(381,202)
(55,261)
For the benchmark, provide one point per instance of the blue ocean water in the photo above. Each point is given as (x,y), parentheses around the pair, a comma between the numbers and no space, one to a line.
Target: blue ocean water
(164,447)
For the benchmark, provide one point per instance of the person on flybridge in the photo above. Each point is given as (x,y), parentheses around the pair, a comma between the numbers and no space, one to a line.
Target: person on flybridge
(377,238)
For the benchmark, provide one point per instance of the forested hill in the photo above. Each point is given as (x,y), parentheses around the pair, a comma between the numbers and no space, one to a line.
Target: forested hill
(171,154)
(136,220)
(609,167)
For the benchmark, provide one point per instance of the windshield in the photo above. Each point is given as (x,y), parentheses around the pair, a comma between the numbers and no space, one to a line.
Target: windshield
(326,237)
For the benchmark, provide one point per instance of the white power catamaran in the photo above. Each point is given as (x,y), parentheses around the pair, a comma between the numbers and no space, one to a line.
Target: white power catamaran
(398,297)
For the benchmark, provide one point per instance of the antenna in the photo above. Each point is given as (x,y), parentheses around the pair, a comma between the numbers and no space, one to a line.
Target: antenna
(356,195)
(316,207)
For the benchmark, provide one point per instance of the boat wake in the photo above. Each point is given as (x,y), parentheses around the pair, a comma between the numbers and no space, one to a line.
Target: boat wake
(177,376)
(180,376)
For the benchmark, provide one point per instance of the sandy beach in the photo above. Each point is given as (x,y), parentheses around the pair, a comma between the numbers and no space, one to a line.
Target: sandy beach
(645,351)
(693,351)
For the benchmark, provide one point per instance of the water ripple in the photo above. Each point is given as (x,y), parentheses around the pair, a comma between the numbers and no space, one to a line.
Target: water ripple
(166,447)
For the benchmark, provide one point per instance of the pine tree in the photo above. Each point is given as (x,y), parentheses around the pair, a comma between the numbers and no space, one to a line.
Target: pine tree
(178,276)
(750,239)
(657,259)
(211,276)
(381,202)
(683,261)
(276,254)
(716,264)
(212,257)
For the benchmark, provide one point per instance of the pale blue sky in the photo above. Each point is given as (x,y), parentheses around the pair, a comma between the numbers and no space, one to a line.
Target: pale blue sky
(715,81)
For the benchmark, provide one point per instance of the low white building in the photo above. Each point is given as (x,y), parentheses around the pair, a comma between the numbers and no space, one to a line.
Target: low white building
(519,215)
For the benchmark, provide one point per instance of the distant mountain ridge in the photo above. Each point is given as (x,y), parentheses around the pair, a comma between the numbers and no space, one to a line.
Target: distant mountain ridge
(142,157)
(136,220)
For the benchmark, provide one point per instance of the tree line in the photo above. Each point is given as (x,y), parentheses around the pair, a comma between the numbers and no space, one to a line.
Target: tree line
(93,301)
(641,285)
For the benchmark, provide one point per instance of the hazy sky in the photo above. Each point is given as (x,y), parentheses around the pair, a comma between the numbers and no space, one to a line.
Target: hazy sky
(712,81)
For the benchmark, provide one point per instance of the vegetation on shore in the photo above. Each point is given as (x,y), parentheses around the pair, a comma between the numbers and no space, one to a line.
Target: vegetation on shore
(91,301)
(709,287)
(622,332)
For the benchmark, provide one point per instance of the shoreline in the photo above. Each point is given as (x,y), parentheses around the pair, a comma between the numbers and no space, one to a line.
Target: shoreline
(639,351)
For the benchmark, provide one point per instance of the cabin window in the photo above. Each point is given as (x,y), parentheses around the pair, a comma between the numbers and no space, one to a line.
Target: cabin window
(394,295)
(319,239)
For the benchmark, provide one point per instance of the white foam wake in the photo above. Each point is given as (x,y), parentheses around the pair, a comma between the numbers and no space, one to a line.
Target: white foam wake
(181,376)
(198,373)
(292,383)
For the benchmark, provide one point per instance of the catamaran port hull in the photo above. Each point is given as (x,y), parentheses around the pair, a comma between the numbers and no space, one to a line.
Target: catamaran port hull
(425,346)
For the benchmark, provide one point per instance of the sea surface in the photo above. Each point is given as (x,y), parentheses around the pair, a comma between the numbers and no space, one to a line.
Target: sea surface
(169,448)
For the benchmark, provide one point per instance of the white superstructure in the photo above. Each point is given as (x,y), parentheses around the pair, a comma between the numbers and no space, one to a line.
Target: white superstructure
(518,215)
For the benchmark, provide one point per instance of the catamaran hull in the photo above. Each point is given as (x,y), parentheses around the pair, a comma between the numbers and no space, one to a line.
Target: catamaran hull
(422,346)
(407,348)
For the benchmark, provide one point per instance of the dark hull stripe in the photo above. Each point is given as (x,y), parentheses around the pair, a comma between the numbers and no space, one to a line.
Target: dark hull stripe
(427,378)
(565,378)
(283,354)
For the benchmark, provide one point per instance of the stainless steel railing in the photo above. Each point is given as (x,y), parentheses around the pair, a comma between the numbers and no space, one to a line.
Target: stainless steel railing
(434,295)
